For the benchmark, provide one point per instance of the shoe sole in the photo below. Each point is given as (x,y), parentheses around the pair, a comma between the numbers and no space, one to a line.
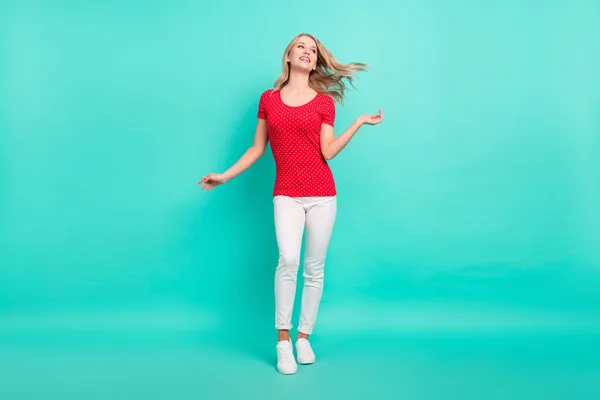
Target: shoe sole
(287,373)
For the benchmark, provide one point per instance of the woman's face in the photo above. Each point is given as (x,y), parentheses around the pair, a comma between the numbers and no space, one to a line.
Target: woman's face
(303,54)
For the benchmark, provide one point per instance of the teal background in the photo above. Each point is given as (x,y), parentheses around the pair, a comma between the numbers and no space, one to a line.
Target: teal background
(464,261)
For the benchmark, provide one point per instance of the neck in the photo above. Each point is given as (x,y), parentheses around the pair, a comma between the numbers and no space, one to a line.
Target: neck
(298,81)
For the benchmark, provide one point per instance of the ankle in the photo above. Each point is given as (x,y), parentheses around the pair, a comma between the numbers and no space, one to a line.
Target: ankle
(302,336)
(283,335)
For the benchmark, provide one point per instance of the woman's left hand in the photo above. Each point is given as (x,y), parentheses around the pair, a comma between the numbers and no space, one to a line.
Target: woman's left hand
(371,119)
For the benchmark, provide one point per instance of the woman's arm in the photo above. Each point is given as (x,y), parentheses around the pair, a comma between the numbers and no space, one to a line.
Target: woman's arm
(246,160)
(331,146)
(252,154)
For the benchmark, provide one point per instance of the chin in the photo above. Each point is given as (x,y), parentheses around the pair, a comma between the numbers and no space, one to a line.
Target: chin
(302,67)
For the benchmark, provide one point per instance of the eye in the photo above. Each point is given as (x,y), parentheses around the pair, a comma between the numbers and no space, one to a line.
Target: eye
(314,51)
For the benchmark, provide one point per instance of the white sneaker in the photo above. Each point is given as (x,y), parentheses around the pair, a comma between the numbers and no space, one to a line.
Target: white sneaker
(286,363)
(304,351)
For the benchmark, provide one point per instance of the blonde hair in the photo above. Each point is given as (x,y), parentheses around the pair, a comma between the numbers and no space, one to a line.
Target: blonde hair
(329,76)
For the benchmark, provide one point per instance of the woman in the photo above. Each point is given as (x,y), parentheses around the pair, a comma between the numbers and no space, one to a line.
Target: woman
(298,118)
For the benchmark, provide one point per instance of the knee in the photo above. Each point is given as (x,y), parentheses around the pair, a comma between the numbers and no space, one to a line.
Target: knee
(314,276)
(288,262)
(314,269)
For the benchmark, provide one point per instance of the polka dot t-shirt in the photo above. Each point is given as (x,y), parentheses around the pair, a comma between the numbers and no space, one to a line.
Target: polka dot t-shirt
(294,133)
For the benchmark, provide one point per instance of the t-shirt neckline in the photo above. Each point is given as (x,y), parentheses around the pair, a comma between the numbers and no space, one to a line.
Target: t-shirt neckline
(301,105)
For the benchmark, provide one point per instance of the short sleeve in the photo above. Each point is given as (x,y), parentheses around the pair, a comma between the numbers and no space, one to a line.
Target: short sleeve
(262,104)
(328,112)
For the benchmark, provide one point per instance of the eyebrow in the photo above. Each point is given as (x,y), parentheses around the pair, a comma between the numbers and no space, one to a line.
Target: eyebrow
(314,47)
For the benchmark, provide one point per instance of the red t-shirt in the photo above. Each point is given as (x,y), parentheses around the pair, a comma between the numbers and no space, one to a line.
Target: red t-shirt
(294,133)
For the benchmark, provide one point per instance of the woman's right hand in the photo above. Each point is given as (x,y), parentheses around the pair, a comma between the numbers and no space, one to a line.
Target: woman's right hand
(211,180)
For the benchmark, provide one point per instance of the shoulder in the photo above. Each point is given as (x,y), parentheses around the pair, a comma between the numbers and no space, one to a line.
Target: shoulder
(326,99)
(267,93)
(265,98)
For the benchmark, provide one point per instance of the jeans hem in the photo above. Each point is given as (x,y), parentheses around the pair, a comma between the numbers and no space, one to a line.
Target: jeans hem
(302,329)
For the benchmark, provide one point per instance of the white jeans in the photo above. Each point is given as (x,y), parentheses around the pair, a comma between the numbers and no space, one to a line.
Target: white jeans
(292,214)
